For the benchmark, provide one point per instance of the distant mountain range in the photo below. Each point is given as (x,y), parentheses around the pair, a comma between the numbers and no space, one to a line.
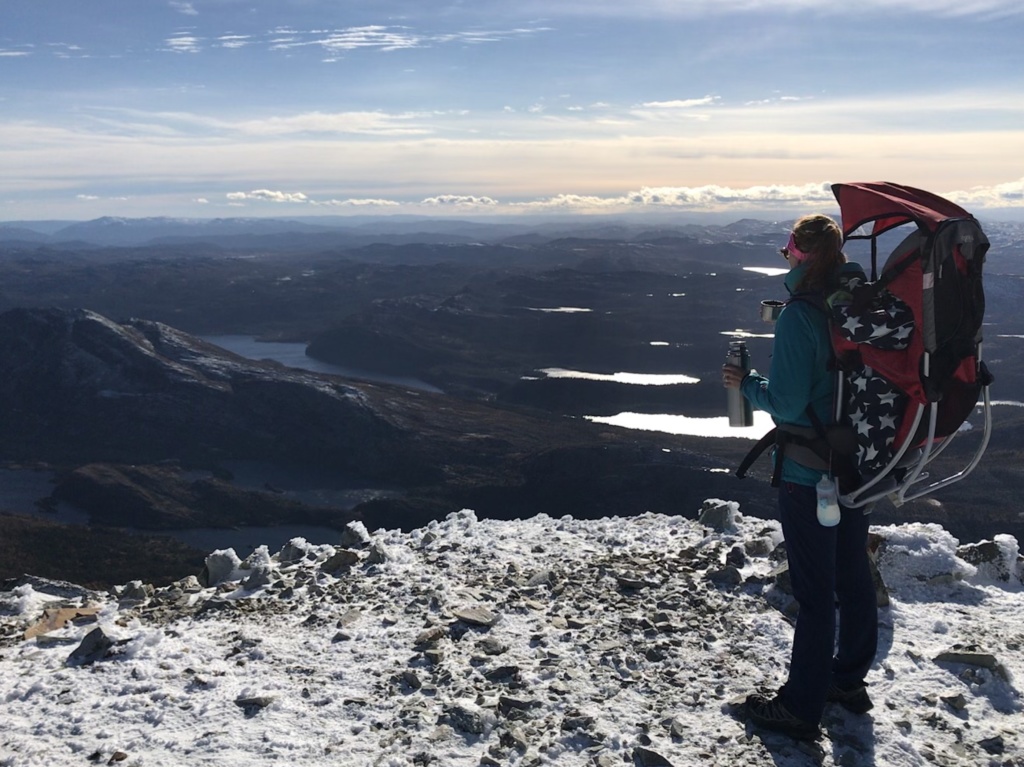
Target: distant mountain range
(317,234)
(355,231)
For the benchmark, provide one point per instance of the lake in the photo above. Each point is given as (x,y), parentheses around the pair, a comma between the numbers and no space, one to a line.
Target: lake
(694,427)
(293,354)
(637,379)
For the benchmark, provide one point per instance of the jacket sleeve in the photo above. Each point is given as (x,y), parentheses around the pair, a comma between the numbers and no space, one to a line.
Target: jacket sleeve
(786,391)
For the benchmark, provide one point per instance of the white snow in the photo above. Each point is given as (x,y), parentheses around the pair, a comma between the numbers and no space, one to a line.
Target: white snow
(174,692)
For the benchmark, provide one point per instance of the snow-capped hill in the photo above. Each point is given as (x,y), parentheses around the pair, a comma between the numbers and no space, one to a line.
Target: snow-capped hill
(529,642)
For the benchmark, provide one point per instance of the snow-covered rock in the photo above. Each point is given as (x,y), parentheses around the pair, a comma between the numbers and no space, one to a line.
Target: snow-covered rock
(531,642)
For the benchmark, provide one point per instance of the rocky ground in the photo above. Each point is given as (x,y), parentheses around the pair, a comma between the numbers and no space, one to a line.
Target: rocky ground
(533,642)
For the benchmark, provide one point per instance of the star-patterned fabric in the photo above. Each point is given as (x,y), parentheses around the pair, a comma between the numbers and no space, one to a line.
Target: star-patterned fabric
(874,405)
(875,408)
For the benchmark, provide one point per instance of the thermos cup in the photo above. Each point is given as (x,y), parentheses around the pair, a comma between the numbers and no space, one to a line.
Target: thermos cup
(770,310)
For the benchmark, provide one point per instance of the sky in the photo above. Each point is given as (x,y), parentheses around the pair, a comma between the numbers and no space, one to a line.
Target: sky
(329,669)
(211,108)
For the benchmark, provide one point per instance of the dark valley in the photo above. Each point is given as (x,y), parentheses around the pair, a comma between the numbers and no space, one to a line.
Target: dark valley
(109,388)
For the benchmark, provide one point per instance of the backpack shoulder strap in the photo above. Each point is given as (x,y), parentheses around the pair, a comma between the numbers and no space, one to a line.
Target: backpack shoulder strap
(755,452)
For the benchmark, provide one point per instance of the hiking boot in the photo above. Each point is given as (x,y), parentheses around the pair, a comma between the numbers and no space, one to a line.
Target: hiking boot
(771,714)
(855,699)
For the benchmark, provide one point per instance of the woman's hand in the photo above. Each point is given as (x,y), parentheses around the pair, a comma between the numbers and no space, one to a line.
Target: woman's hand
(732,375)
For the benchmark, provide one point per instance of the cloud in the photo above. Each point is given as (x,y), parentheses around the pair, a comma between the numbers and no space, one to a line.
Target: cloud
(12,54)
(571,202)
(186,8)
(777,100)
(747,200)
(377,123)
(375,37)
(357,203)
(711,196)
(680,103)
(473,37)
(138,122)
(686,109)
(708,197)
(267,195)
(182,43)
(751,198)
(1006,195)
(234,41)
(67,50)
(460,200)
(353,38)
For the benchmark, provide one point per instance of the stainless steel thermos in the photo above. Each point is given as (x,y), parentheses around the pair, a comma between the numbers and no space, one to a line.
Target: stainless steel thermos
(740,411)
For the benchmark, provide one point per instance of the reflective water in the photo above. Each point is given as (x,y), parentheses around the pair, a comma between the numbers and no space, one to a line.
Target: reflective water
(559,309)
(739,333)
(294,355)
(682,424)
(642,379)
(21,490)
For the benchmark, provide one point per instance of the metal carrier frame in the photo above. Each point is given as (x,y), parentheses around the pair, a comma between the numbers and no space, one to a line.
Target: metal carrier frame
(913,462)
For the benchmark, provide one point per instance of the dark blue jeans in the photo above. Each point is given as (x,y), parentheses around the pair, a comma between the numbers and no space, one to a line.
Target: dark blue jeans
(828,567)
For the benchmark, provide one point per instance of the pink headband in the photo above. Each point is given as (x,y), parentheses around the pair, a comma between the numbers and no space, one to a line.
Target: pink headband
(794,252)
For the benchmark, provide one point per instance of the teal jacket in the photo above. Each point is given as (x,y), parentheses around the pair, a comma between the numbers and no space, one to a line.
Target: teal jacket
(800,374)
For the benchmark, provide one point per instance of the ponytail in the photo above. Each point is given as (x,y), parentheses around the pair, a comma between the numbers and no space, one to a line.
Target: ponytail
(821,238)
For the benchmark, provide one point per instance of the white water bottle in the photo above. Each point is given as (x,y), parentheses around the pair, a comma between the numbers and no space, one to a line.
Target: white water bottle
(828,502)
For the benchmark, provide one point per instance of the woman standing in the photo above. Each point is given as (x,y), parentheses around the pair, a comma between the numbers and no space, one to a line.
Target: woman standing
(827,565)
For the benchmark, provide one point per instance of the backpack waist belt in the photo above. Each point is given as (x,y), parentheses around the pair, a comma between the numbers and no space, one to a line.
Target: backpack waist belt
(820,448)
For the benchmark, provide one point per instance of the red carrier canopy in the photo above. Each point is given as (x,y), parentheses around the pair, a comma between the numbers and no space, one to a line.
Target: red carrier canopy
(890,205)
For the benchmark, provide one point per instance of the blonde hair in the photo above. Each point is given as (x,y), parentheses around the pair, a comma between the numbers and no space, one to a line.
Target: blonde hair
(821,239)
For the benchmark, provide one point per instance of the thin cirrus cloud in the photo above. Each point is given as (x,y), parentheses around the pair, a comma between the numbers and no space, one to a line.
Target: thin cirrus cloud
(390,38)
(185,8)
(234,41)
(185,124)
(183,43)
(339,41)
(680,103)
(366,123)
(443,200)
(355,38)
(357,203)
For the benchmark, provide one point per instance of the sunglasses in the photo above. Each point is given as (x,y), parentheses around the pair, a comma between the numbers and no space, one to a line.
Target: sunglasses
(792,251)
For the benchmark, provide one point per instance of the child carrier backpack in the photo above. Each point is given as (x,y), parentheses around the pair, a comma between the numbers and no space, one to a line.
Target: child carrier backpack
(907,348)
